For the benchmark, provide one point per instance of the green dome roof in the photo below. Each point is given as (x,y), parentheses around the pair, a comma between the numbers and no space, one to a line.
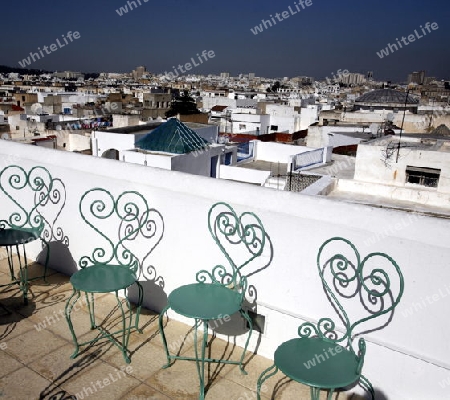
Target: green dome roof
(172,137)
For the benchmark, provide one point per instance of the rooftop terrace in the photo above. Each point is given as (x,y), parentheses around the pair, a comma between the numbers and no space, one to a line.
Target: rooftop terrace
(406,360)
(36,345)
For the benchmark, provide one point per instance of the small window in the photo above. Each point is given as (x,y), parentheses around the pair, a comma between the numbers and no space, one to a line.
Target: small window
(428,177)
(273,127)
(242,126)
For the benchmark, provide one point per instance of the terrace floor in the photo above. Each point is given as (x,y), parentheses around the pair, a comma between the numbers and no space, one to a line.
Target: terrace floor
(35,349)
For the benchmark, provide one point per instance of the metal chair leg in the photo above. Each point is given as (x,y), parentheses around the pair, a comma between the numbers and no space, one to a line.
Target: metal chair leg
(200,362)
(125,330)
(250,324)
(91,308)
(315,393)
(266,374)
(10,262)
(163,335)
(69,306)
(367,386)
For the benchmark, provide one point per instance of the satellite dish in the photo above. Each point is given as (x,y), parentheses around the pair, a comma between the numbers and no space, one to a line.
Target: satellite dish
(58,127)
(36,109)
(390,117)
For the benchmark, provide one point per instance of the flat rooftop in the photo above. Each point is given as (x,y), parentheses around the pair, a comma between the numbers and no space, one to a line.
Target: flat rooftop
(414,141)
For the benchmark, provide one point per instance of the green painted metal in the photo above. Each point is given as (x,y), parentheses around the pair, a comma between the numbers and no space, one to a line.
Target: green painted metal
(220,292)
(30,192)
(323,356)
(120,263)
(172,137)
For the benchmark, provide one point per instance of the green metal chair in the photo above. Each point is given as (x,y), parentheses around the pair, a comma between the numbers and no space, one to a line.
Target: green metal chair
(137,230)
(29,193)
(323,357)
(221,292)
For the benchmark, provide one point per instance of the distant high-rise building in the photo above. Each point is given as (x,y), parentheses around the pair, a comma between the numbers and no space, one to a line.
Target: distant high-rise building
(68,75)
(352,78)
(251,75)
(224,75)
(417,77)
(429,79)
(138,72)
(370,75)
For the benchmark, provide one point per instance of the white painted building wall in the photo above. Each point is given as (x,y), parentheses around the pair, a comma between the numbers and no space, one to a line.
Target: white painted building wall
(278,152)
(243,174)
(152,160)
(103,141)
(121,121)
(308,116)
(320,136)
(210,102)
(407,360)
(390,179)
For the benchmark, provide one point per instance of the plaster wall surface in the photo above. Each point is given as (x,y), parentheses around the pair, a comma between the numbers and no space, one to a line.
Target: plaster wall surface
(278,152)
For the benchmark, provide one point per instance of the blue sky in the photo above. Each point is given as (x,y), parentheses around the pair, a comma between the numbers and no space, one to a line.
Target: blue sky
(318,41)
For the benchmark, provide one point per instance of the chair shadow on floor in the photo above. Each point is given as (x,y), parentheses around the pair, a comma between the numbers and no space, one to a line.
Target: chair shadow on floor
(54,391)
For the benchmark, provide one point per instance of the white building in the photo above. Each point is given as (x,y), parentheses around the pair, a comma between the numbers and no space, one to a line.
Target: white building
(414,170)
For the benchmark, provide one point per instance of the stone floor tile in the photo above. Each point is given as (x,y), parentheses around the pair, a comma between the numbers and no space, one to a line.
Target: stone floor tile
(146,360)
(144,392)
(8,364)
(232,391)
(13,324)
(59,368)
(22,384)
(32,345)
(102,381)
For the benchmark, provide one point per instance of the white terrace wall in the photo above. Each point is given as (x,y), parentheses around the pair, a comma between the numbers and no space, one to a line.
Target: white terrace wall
(278,152)
(409,359)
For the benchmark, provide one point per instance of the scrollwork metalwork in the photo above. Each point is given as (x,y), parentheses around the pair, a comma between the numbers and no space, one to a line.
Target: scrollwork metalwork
(344,279)
(133,219)
(33,212)
(242,239)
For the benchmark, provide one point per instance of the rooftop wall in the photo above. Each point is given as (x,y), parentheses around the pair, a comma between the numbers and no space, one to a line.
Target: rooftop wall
(409,359)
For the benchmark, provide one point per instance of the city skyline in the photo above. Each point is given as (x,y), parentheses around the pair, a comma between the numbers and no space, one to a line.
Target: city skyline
(288,38)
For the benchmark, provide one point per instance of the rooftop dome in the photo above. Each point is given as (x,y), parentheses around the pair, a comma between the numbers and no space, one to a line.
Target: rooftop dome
(172,137)
(441,130)
(386,96)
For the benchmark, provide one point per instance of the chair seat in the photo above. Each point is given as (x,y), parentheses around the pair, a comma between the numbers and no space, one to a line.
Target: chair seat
(101,278)
(12,236)
(204,301)
(310,361)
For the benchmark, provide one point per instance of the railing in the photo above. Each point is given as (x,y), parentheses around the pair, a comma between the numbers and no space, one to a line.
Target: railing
(289,292)
(307,159)
(245,151)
